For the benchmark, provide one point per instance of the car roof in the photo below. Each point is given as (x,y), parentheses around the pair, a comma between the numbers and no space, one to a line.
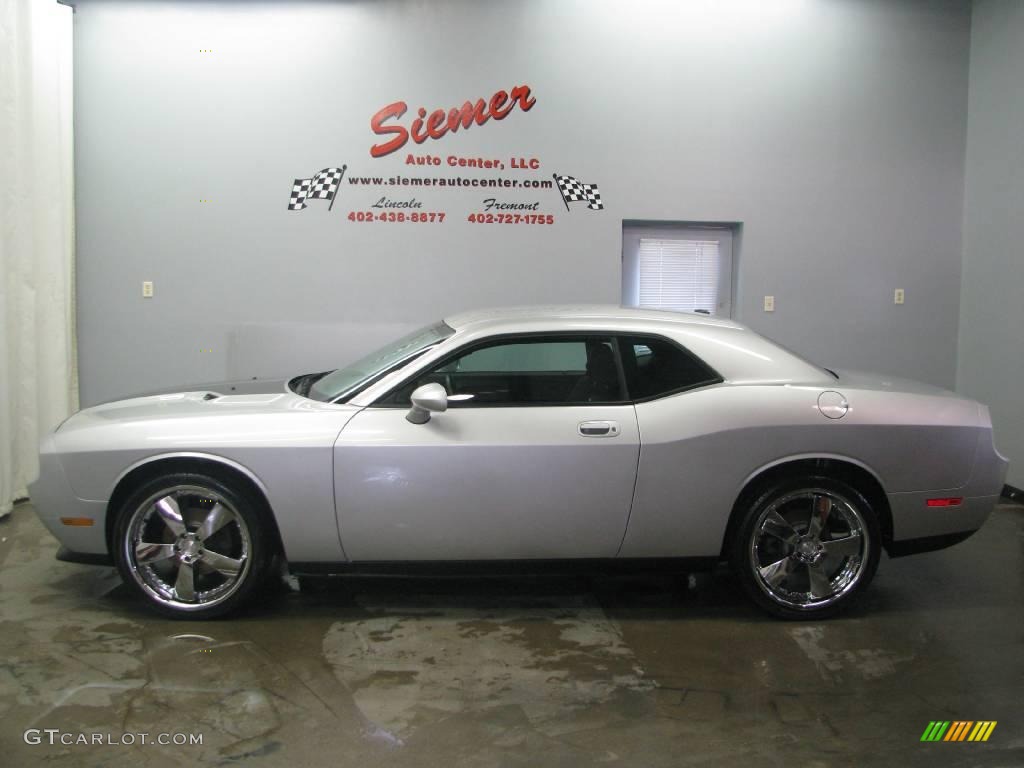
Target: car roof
(572,312)
(736,352)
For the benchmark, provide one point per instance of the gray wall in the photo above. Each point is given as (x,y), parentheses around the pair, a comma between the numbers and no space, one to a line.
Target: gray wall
(833,130)
(991,364)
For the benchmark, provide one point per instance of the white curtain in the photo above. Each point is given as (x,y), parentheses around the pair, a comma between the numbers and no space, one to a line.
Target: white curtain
(38,377)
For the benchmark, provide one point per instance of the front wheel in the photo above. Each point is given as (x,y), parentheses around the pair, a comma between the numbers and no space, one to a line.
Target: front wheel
(806,547)
(192,545)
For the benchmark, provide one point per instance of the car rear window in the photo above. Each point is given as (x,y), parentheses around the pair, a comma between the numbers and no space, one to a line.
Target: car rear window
(655,367)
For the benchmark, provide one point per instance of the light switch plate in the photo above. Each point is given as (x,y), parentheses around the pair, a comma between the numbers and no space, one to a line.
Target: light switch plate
(147,289)
(769,303)
(898,296)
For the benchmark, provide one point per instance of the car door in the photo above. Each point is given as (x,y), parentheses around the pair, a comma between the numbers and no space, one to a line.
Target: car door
(535,458)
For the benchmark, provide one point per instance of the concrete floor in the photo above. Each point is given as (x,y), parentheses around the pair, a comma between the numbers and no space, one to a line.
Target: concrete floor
(524,672)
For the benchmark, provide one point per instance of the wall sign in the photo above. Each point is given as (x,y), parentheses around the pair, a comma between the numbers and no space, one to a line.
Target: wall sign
(323,186)
(573,191)
(505,198)
(439,123)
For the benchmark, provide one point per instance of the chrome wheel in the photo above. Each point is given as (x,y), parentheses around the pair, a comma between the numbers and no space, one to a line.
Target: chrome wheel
(188,547)
(809,548)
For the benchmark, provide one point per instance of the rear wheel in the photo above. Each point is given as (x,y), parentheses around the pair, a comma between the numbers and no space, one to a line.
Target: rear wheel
(806,547)
(192,545)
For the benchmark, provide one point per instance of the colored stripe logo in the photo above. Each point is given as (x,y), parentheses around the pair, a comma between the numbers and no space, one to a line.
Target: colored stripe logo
(958,730)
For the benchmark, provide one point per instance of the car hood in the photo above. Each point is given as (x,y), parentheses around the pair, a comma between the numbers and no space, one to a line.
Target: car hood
(205,404)
(252,386)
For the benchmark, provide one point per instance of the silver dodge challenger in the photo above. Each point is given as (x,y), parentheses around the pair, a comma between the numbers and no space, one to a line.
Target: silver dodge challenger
(539,435)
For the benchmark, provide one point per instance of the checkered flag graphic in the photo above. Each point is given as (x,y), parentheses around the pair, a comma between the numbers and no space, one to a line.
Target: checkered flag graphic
(323,186)
(574,190)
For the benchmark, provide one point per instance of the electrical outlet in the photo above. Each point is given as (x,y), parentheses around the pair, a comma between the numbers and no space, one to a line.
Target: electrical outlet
(147,289)
(898,297)
(769,303)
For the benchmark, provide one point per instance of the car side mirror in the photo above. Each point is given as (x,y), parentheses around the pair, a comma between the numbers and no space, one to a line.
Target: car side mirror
(427,399)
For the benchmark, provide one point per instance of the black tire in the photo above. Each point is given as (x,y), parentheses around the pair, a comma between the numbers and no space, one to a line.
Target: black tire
(169,525)
(789,571)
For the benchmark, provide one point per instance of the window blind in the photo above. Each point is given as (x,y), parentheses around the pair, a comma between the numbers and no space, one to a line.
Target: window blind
(679,275)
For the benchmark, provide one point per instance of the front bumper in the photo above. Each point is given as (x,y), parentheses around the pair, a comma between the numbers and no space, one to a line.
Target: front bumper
(53,499)
(65,555)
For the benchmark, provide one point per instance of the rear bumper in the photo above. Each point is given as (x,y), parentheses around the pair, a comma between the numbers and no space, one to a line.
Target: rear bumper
(913,519)
(926,543)
(918,527)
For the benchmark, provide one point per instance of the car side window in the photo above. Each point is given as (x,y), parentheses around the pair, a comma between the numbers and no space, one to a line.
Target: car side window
(655,367)
(526,371)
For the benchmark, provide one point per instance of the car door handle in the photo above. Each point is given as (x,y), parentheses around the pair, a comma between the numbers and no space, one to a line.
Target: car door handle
(598,428)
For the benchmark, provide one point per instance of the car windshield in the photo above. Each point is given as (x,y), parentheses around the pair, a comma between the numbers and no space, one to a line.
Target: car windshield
(352,377)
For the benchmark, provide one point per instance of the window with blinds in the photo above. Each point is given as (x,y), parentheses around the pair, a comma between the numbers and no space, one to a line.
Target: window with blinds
(679,275)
